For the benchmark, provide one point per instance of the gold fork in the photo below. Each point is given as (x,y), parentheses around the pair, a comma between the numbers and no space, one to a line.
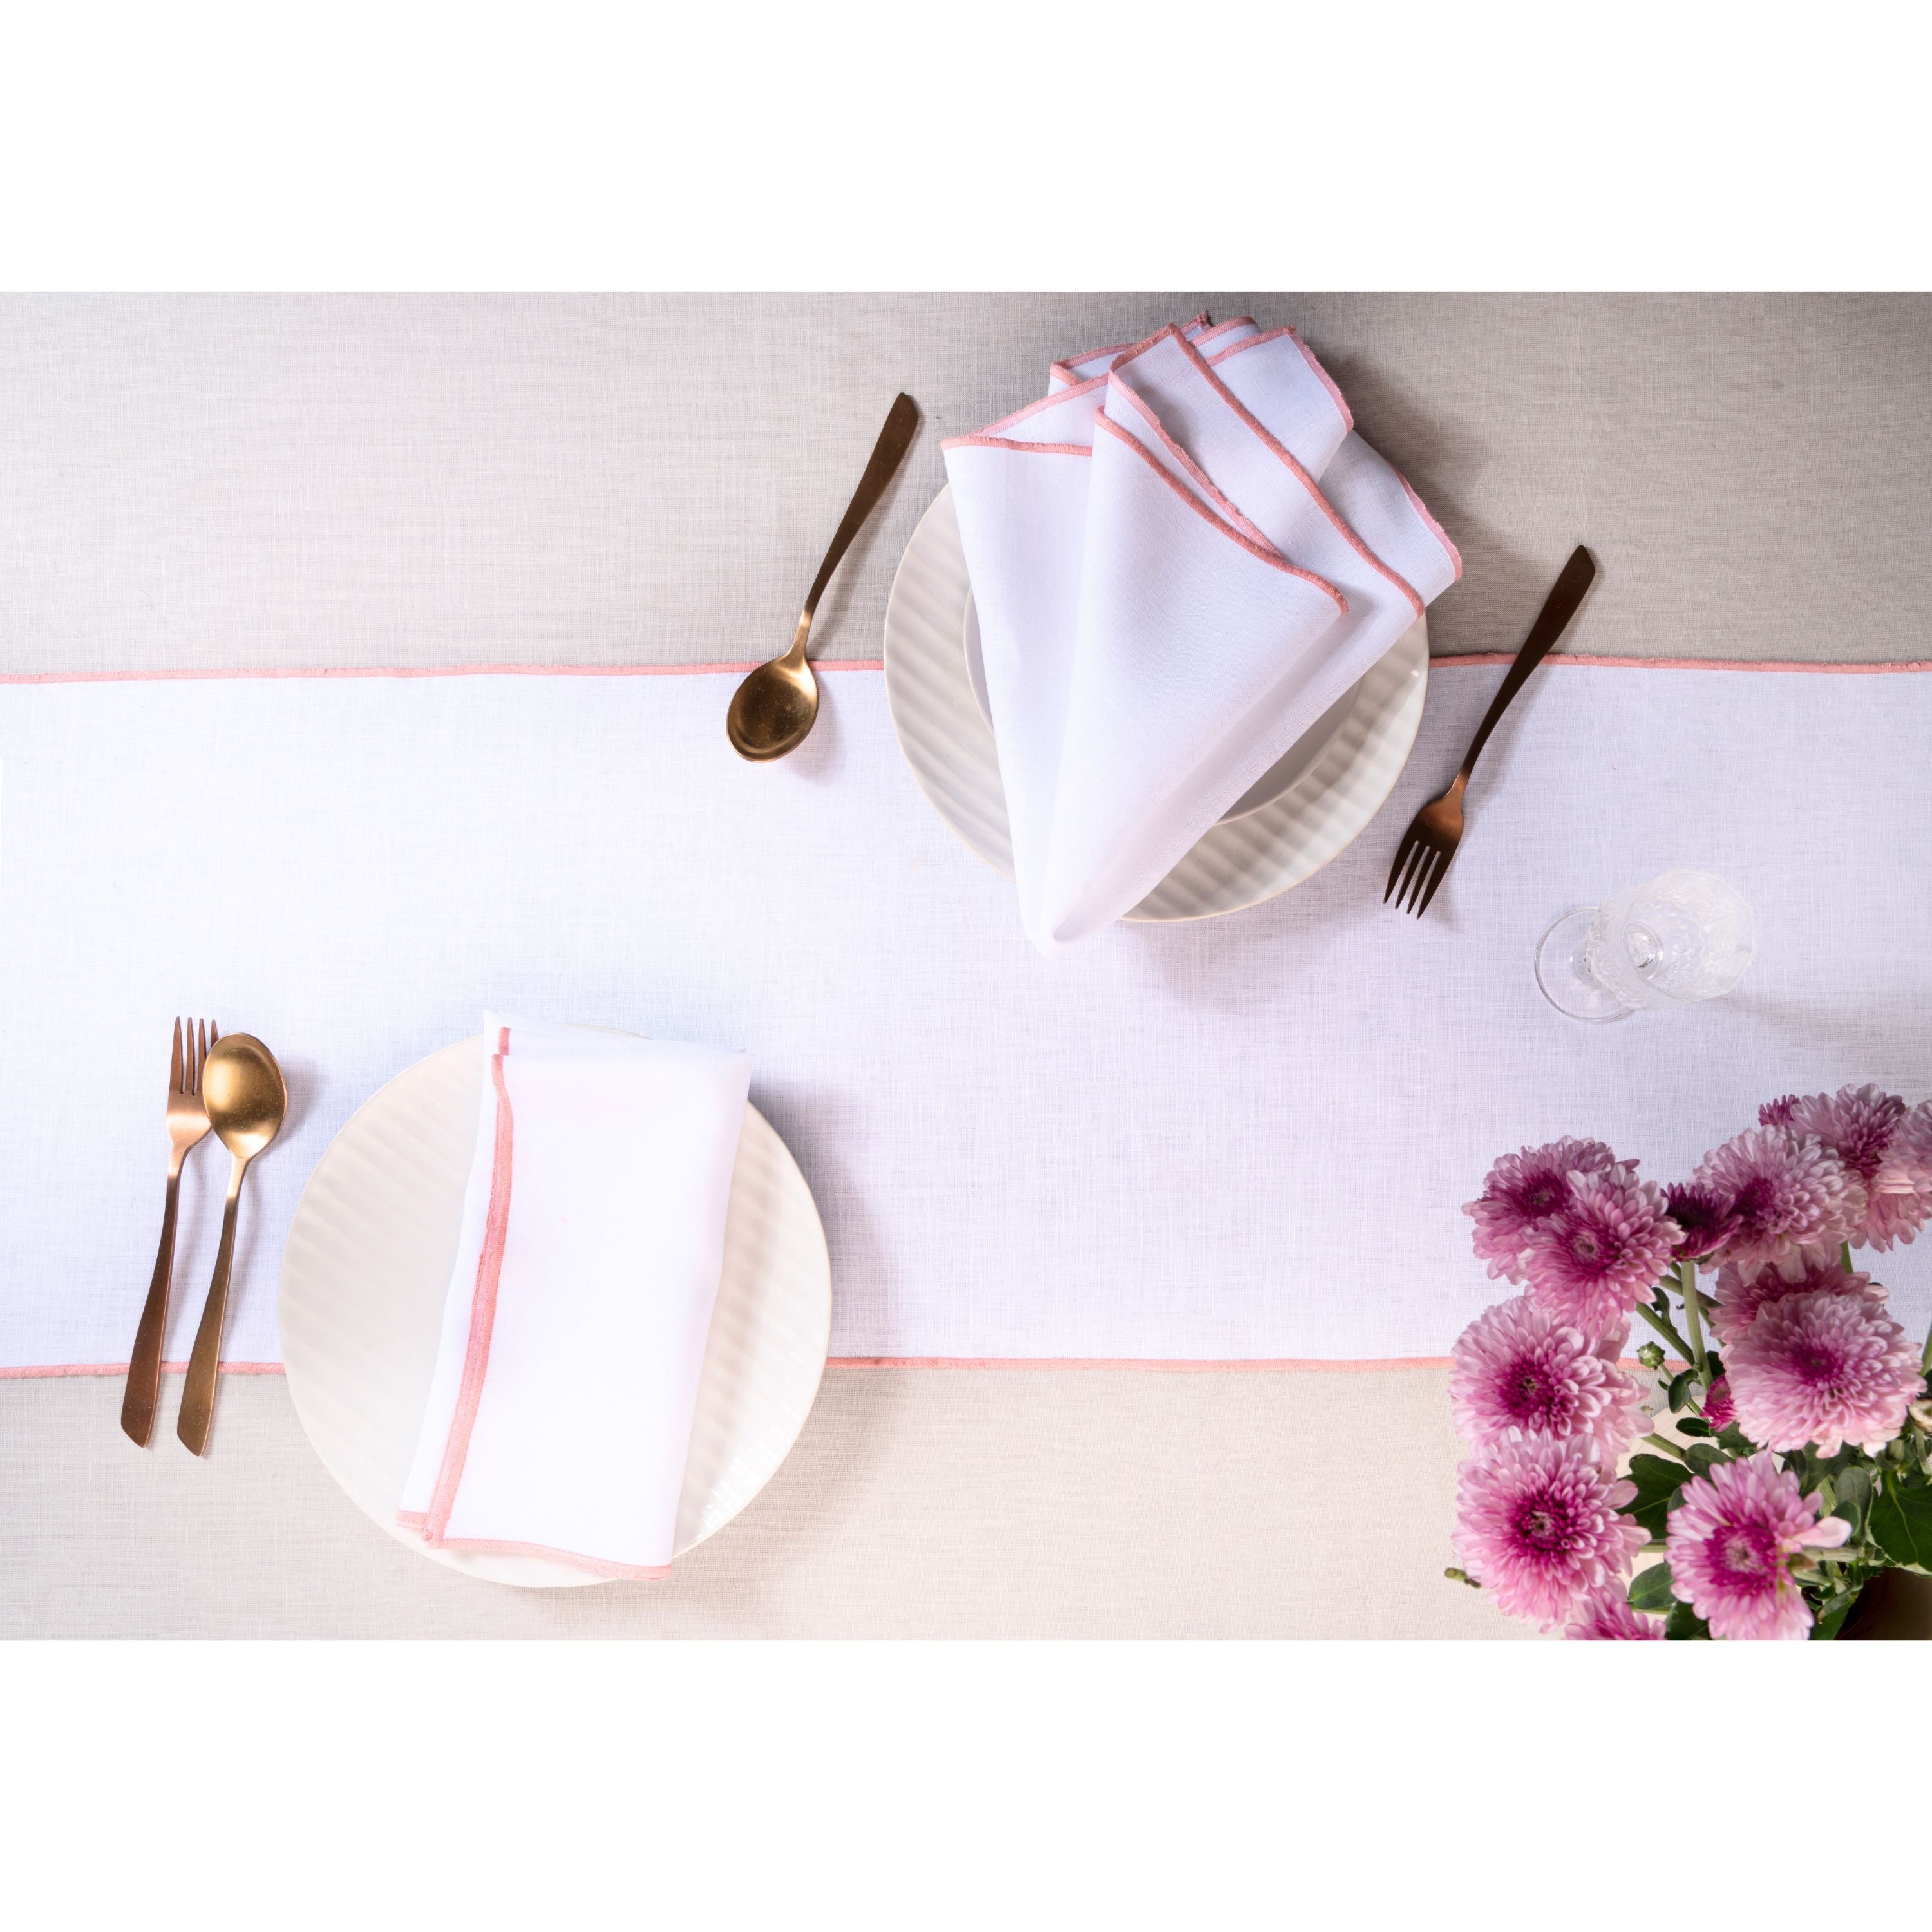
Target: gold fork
(1422,859)
(187,1123)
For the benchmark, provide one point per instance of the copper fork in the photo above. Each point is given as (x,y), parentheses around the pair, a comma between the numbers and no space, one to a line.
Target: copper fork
(1422,859)
(187,1123)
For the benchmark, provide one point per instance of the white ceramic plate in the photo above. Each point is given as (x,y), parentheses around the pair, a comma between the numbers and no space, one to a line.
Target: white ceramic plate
(1239,862)
(369,1256)
(1289,768)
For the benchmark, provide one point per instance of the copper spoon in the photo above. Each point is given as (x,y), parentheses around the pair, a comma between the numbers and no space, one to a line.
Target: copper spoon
(773,710)
(246,1101)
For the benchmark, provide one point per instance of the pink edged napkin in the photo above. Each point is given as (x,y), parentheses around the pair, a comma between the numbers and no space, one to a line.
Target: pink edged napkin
(1179,559)
(558,1415)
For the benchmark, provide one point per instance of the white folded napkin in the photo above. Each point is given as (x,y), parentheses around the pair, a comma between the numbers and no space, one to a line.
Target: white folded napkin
(1168,597)
(559,1416)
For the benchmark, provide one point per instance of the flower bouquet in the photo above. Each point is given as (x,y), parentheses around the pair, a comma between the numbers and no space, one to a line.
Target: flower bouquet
(1784,1462)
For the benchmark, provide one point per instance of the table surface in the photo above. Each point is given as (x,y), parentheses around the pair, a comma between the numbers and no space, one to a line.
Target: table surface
(242,482)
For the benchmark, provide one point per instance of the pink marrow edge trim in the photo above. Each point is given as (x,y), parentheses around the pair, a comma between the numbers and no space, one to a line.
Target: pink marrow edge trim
(345,671)
(1272,443)
(1207,335)
(1901,666)
(482,1304)
(1436,530)
(1179,1367)
(1229,515)
(43,1369)
(1203,1366)
(1050,401)
(1262,552)
(1308,355)
(1024,448)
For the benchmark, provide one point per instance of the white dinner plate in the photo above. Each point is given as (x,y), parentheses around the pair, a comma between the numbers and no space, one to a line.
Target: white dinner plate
(1238,862)
(369,1256)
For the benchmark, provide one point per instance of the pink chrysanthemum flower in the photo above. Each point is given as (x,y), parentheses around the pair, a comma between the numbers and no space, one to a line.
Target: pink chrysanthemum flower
(1828,1369)
(1593,1261)
(1705,1218)
(1517,1367)
(1739,1299)
(1901,1188)
(1537,1524)
(1719,1410)
(1522,1191)
(1861,1125)
(1605,1616)
(1731,1541)
(1791,1195)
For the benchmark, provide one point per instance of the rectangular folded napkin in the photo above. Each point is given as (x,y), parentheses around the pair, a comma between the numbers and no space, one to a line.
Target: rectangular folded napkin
(1181,556)
(559,1416)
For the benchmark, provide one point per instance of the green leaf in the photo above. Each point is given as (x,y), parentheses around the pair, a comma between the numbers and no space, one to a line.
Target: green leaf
(1851,1495)
(1691,1425)
(1680,1390)
(1650,1589)
(1831,1615)
(1684,1625)
(1703,1456)
(1901,1524)
(1657,1479)
(1732,1437)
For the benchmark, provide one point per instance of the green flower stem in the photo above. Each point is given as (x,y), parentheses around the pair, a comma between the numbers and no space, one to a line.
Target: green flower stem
(1669,1447)
(1669,1333)
(1925,1355)
(1687,1286)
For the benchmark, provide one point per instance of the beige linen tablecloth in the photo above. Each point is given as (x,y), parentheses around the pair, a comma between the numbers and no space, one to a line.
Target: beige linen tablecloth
(250,481)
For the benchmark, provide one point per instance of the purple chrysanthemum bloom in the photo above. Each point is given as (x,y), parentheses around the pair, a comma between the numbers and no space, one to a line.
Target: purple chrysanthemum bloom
(1828,1369)
(1517,1368)
(1777,1113)
(1732,1541)
(1901,1188)
(1706,1218)
(1740,1299)
(1522,1191)
(1594,1261)
(1538,1525)
(1605,1616)
(1792,1196)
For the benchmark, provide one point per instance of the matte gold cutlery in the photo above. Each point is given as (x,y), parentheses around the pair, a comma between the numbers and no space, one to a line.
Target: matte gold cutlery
(772,710)
(246,1101)
(1422,860)
(187,1126)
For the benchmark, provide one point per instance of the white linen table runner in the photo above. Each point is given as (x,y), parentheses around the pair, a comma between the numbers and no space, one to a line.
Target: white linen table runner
(1243,1140)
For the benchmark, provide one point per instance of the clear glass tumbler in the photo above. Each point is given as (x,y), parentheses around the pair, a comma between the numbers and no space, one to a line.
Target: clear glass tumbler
(1685,936)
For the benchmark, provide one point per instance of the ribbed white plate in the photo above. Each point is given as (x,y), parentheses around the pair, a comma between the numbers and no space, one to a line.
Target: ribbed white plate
(369,1256)
(1238,862)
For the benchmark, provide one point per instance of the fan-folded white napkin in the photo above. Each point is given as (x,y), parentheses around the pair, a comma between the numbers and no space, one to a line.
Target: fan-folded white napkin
(1168,597)
(559,1416)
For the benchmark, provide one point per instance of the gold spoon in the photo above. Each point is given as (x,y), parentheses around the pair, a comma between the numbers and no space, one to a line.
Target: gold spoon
(772,711)
(247,1100)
